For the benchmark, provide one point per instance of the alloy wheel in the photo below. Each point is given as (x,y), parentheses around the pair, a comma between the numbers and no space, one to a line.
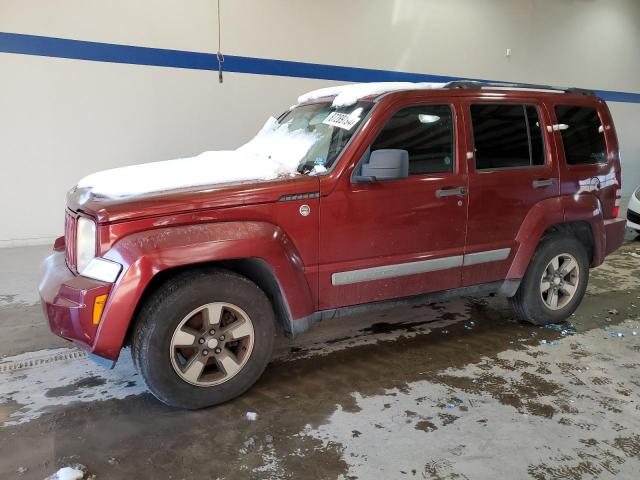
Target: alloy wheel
(559,281)
(212,344)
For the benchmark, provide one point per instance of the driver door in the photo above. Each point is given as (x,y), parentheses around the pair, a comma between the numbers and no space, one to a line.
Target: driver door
(396,238)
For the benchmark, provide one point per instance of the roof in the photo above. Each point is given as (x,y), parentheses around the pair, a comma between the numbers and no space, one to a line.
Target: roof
(345,95)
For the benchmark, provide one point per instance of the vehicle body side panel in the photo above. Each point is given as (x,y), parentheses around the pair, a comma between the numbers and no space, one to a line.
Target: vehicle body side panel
(587,208)
(145,254)
(601,181)
(540,217)
(589,191)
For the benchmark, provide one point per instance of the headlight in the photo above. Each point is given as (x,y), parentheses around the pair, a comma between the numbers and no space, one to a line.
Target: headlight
(87,264)
(85,242)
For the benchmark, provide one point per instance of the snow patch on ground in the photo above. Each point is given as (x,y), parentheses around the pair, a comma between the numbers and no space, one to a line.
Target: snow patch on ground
(522,395)
(68,473)
(274,152)
(270,465)
(39,389)
(346,95)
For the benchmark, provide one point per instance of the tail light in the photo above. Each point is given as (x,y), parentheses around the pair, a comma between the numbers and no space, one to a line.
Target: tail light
(616,207)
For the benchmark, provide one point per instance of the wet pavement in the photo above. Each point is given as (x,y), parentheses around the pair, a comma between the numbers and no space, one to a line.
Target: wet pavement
(444,390)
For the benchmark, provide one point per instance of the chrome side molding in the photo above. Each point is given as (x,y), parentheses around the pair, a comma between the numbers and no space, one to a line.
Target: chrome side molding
(397,270)
(421,266)
(486,256)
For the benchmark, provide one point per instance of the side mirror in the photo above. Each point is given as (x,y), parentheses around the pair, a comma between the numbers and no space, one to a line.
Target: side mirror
(386,164)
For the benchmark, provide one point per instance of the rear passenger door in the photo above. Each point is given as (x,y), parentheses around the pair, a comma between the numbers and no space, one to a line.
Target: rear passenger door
(510,170)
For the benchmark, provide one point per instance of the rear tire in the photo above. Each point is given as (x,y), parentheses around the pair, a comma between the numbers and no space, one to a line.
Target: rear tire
(203,337)
(554,283)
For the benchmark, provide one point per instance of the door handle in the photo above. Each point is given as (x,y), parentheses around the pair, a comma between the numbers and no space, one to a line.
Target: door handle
(451,191)
(547,182)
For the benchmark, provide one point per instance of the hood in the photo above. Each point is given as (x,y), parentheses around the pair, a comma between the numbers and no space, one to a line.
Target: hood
(210,180)
(169,202)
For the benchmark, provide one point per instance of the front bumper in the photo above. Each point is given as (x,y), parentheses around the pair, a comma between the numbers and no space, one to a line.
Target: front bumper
(68,302)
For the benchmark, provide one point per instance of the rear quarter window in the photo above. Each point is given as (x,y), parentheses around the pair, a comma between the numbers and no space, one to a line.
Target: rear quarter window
(582,135)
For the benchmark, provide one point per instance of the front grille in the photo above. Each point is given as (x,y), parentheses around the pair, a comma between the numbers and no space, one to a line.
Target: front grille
(70,222)
(633,217)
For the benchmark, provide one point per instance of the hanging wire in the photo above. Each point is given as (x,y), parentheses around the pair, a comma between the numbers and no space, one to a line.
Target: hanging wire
(219,54)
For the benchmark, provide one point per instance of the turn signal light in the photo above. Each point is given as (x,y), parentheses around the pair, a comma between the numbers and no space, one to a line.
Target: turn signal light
(98,307)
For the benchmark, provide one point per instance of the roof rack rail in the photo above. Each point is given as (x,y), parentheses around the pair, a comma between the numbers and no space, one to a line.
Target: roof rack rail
(475,84)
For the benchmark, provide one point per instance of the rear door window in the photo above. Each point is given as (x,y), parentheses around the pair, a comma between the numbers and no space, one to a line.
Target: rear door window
(506,136)
(426,132)
(582,135)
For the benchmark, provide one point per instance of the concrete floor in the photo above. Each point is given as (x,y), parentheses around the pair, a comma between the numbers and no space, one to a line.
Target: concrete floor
(453,389)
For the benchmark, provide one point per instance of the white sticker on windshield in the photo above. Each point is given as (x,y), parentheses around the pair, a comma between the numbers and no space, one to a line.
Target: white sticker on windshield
(341,120)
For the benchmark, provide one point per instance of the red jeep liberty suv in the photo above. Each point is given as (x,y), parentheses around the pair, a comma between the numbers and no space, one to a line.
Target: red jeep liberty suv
(360,194)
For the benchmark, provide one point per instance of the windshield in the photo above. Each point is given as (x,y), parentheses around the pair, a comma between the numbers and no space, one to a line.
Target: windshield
(308,138)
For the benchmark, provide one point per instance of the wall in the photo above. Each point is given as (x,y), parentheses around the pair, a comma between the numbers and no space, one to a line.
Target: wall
(64,118)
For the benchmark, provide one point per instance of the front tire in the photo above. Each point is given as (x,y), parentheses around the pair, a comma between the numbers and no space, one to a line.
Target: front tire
(555,281)
(203,337)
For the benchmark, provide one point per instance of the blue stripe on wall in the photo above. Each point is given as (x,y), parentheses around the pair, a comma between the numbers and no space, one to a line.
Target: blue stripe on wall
(108,52)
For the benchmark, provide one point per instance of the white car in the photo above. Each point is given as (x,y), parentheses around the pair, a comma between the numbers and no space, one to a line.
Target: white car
(633,211)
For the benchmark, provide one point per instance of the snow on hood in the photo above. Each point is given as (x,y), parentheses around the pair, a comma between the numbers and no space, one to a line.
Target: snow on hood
(274,152)
(346,95)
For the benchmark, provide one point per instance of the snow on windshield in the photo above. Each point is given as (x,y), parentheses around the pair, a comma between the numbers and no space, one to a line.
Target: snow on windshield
(280,142)
(274,152)
(346,95)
